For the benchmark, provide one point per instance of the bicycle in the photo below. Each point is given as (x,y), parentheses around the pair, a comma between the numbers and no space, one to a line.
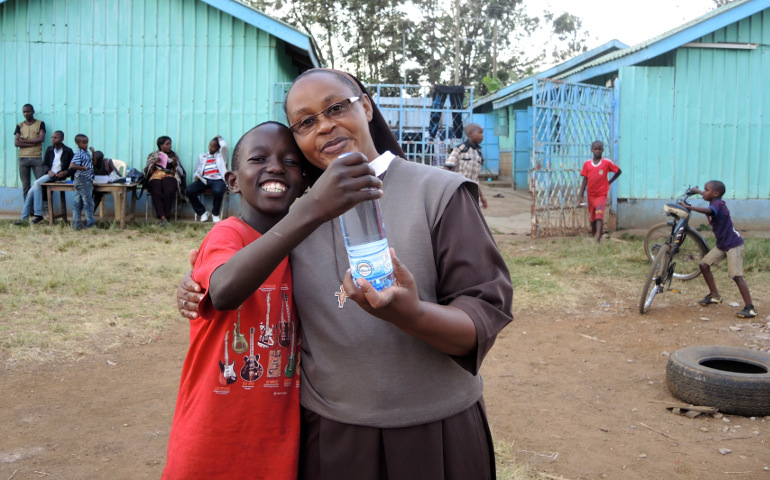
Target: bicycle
(663,269)
(690,251)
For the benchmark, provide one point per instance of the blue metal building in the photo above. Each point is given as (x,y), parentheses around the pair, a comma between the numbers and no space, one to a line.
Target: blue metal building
(680,109)
(125,72)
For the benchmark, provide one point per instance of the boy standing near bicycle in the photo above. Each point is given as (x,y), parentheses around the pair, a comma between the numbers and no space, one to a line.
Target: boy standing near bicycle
(729,244)
(595,173)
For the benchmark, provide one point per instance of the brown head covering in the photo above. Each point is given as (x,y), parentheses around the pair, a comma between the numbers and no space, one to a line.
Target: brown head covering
(379,130)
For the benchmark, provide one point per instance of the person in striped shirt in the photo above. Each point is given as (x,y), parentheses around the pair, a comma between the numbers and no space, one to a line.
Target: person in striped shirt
(84,184)
(210,174)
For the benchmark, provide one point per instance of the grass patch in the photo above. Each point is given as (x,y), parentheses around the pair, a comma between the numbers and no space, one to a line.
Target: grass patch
(565,269)
(756,255)
(546,269)
(509,467)
(66,294)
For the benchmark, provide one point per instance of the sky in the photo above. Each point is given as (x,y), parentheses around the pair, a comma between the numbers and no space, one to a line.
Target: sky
(630,21)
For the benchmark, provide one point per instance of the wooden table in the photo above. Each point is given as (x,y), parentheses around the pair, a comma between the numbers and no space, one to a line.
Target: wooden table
(119,192)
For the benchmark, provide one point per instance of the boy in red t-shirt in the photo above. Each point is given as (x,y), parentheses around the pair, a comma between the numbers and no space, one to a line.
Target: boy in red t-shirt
(595,173)
(237,410)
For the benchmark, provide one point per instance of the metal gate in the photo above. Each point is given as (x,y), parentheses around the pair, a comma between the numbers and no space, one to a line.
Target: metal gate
(567,118)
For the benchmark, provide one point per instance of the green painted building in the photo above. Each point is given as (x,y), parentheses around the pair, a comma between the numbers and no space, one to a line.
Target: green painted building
(125,72)
(680,109)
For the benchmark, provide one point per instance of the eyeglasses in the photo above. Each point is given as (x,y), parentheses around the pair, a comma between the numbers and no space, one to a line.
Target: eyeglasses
(336,110)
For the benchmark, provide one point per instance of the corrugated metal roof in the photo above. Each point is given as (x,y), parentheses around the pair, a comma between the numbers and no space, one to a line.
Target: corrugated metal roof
(273,26)
(604,49)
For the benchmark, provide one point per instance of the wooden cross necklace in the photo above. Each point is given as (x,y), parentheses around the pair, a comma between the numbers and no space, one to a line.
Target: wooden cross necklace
(342,295)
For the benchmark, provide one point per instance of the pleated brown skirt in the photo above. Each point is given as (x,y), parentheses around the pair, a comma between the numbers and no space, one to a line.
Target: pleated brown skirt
(455,448)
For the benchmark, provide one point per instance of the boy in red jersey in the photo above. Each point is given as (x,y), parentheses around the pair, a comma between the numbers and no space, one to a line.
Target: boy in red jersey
(595,173)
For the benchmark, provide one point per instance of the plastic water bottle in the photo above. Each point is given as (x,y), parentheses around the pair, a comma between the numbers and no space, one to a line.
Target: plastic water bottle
(364,231)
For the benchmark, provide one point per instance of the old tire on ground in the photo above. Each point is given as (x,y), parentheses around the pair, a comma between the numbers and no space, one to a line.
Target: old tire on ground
(733,379)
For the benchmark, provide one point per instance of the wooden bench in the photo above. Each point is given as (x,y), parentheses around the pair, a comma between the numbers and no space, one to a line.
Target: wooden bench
(119,192)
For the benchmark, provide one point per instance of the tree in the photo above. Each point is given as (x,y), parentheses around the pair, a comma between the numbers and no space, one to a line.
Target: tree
(387,41)
(567,29)
(321,17)
(487,33)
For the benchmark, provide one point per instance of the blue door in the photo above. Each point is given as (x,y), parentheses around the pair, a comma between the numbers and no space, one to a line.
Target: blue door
(522,148)
(490,147)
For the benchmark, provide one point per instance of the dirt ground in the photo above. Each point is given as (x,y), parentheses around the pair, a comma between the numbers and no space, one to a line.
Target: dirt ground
(576,394)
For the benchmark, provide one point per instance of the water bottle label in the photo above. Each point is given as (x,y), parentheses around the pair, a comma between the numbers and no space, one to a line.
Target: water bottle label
(372,261)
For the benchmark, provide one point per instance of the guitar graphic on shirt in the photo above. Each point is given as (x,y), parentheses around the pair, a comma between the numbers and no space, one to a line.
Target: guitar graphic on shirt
(291,364)
(265,330)
(228,372)
(274,360)
(251,370)
(239,341)
(274,363)
(284,335)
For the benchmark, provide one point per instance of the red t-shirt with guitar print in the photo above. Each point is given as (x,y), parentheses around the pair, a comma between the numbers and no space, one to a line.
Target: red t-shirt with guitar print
(237,411)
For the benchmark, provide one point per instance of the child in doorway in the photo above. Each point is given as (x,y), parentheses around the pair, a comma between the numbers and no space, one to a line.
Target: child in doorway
(595,173)
(84,184)
(237,410)
(729,244)
(466,159)
(210,174)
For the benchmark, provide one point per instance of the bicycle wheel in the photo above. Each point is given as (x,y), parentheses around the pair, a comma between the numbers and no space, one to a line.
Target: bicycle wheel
(655,278)
(687,258)
(656,236)
(689,255)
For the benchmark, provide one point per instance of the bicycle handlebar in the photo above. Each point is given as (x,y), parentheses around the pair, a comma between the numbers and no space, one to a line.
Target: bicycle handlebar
(687,194)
